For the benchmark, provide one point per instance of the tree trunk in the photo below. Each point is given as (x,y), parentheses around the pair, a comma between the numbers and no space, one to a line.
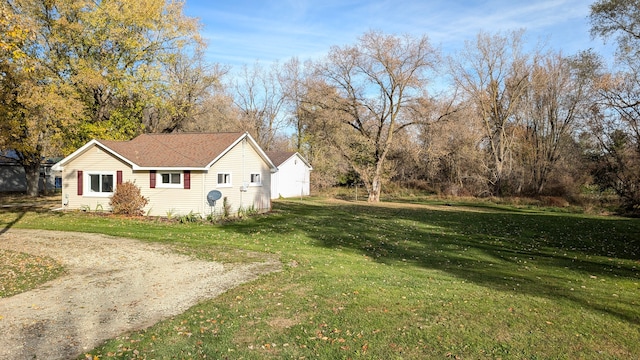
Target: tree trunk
(496,183)
(374,194)
(32,172)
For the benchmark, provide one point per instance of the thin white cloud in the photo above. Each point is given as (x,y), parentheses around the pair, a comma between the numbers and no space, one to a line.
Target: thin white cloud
(280,29)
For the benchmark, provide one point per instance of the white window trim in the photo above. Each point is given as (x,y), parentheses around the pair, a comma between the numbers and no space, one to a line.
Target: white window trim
(87,184)
(255,183)
(159,183)
(230,184)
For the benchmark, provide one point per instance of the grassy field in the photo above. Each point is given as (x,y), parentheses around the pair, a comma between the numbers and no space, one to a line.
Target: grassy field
(413,280)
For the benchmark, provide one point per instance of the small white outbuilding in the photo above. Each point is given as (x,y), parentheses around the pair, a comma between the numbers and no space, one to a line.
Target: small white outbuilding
(292,177)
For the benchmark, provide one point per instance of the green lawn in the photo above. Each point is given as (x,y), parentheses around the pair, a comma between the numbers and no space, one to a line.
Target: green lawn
(399,281)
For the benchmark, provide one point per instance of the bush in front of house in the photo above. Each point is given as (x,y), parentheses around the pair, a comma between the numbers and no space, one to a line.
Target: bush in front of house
(128,200)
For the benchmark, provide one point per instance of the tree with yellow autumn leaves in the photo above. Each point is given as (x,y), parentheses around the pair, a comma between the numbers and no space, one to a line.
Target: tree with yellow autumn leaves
(74,70)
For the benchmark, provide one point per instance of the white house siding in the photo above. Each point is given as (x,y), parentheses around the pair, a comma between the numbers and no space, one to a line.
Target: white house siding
(172,201)
(241,161)
(94,159)
(177,201)
(291,180)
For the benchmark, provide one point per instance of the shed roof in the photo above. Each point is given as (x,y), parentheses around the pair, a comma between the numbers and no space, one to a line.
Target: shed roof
(279,157)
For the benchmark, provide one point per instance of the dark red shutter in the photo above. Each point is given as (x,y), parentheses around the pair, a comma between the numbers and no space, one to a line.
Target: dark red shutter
(79,182)
(152,179)
(118,177)
(187,179)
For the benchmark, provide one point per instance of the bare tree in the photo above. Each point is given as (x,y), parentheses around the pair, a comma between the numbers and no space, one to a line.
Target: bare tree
(557,94)
(218,114)
(621,18)
(294,84)
(616,123)
(319,128)
(259,98)
(493,72)
(189,83)
(450,158)
(376,80)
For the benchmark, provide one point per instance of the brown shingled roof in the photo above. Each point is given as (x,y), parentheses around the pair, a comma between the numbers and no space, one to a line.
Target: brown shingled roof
(278,157)
(173,150)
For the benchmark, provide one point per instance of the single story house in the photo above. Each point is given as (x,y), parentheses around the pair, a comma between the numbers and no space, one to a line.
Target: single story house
(175,172)
(292,177)
(14,179)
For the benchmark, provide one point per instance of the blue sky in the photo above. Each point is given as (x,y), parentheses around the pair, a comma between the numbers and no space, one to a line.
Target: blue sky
(243,31)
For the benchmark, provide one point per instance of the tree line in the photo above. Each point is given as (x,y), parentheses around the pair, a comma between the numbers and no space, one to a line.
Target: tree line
(498,118)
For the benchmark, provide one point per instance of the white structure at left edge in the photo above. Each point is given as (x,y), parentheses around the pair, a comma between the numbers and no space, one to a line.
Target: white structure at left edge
(293,176)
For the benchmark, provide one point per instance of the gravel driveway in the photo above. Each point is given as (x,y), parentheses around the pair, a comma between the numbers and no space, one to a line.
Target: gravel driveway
(113,285)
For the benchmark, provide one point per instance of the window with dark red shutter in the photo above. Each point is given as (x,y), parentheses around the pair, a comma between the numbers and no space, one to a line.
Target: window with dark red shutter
(187,179)
(79,182)
(118,177)
(152,179)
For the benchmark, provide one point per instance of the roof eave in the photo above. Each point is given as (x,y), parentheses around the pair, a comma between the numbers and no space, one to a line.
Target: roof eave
(169,168)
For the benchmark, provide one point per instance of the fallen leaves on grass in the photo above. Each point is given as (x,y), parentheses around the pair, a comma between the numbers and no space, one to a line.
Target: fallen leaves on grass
(20,272)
